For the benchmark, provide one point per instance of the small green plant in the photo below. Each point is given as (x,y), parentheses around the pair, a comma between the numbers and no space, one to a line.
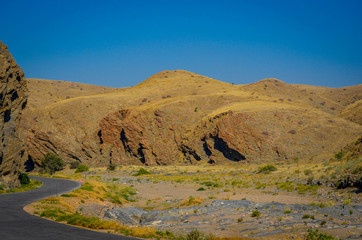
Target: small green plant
(196,109)
(287,210)
(51,163)
(111,167)
(255,213)
(267,169)
(316,235)
(307,172)
(81,168)
(240,220)
(305,216)
(201,189)
(339,155)
(24,179)
(141,171)
(211,184)
(68,195)
(323,222)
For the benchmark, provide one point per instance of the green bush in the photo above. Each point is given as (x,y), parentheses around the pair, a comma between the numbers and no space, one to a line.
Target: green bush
(81,168)
(211,184)
(339,155)
(267,169)
(51,163)
(316,235)
(255,213)
(112,167)
(141,171)
(24,178)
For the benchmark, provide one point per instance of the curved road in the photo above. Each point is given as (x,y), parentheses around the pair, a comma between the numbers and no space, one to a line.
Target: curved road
(15,223)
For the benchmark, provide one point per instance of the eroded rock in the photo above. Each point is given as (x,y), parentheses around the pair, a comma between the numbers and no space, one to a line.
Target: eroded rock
(13,100)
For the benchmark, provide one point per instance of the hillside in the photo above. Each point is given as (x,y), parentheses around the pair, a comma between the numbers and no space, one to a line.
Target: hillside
(179,117)
(45,92)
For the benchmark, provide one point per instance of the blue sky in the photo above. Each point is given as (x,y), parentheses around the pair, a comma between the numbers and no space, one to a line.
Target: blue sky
(121,43)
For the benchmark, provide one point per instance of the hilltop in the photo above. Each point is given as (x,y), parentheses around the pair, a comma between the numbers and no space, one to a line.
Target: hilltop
(180,117)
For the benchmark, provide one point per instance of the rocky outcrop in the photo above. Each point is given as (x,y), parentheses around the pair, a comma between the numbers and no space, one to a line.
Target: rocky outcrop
(155,138)
(13,100)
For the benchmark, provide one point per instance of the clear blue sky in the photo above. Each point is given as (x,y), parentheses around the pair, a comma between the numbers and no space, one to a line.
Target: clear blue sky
(121,43)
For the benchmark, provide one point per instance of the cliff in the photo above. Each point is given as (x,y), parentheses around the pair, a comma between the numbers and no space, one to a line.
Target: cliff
(13,100)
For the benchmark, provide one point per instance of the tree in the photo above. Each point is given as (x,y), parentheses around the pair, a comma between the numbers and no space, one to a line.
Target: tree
(24,178)
(51,163)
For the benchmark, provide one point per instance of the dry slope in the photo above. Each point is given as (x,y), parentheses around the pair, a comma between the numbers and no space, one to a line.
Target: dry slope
(179,117)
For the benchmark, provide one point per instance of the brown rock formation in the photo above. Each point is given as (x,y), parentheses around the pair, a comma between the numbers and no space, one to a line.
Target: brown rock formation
(13,99)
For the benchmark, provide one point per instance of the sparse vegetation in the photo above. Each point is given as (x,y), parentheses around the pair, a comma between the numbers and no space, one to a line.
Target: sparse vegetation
(141,171)
(316,235)
(267,169)
(33,184)
(81,168)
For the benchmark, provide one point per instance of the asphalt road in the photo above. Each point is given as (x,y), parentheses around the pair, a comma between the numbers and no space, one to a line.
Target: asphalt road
(15,223)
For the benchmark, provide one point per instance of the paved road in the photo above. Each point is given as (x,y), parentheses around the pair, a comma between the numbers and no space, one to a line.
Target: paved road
(15,223)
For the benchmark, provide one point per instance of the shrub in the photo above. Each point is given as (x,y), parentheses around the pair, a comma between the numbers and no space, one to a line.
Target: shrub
(141,171)
(267,169)
(211,184)
(190,201)
(255,213)
(24,178)
(287,210)
(111,167)
(51,163)
(339,155)
(74,164)
(307,171)
(81,168)
(201,189)
(316,235)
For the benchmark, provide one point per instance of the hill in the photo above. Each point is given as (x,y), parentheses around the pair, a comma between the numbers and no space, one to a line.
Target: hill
(179,117)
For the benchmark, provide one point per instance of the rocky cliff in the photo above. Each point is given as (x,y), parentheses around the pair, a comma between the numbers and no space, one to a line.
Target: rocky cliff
(13,100)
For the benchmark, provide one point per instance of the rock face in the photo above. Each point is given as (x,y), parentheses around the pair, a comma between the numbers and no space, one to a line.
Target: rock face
(13,100)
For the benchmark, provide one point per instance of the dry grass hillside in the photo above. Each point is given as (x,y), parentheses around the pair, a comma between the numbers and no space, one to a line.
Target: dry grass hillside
(179,117)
